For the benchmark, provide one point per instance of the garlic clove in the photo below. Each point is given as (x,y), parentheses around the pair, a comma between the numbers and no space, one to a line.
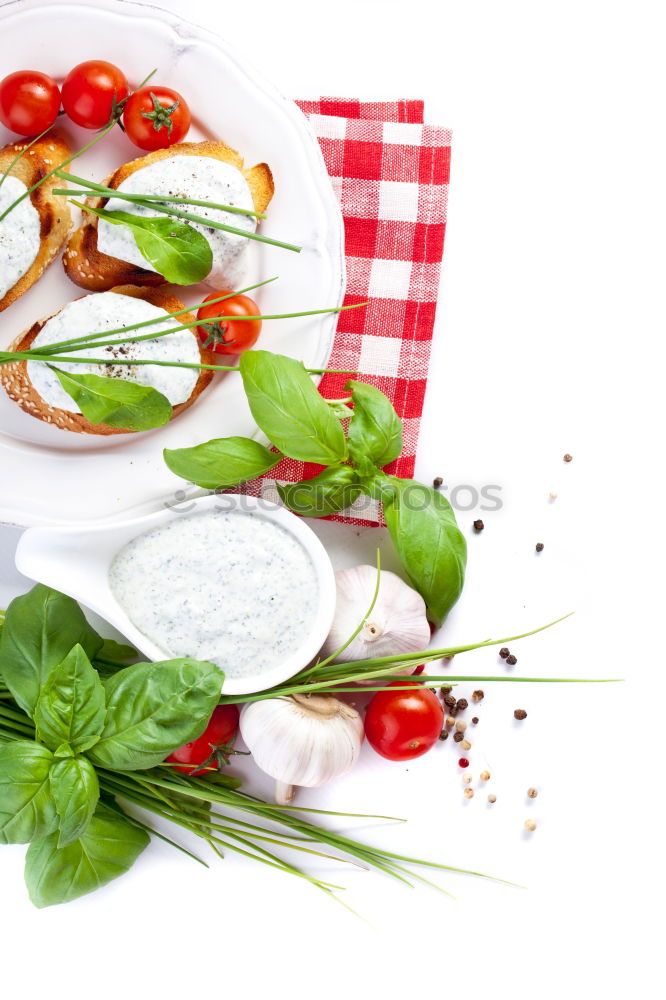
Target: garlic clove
(284,794)
(302,739)
(396,624)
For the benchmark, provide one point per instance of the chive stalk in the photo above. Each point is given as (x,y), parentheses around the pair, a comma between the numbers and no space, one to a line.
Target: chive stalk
(93,188)
(208,223)
(10,357)
(81,343)
(156,319)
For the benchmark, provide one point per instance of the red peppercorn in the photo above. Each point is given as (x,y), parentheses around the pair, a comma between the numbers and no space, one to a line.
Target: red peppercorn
(463,762)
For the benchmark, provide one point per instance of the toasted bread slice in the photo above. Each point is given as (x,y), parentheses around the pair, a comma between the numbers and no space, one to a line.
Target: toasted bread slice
(54,214)
(15,378)
(89,268)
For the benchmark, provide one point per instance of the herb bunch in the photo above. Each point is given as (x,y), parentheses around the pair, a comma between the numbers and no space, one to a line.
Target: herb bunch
(354,444)
(84,729)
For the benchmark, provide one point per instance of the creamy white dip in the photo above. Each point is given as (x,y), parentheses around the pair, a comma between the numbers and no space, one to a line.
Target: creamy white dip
(200,177)
(230,587)
(19,234)
(110,311)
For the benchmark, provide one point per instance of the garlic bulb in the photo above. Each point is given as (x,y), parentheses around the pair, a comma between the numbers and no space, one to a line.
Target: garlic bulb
(396,624)
(302,739)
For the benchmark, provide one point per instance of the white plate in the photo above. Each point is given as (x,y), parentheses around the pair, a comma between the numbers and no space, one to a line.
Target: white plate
(54,476)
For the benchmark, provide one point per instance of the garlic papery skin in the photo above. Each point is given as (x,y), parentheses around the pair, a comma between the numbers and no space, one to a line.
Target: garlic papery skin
(302,739)
(396,624)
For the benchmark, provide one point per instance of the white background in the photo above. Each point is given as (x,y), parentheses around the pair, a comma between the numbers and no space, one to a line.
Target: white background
(548,341)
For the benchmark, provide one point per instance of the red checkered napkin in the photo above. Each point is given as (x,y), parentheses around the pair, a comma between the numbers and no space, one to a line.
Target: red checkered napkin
(391,174)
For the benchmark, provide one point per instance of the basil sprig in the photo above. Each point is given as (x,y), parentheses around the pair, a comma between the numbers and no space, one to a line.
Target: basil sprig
(302,425)
(130,721)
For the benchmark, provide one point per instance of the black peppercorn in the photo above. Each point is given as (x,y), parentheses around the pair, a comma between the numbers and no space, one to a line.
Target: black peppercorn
(478,525)
(539,546)
(504,652)
(443,735)
(450,700)
(520,714)
(437,482)
(512,660)
(461,704)
(458,737)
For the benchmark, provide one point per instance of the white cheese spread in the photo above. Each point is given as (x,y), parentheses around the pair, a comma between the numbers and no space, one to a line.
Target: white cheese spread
(109,311)
(19,234)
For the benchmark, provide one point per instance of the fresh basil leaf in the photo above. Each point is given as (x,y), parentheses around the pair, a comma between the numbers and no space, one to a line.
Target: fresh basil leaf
(115,655)
(431,547)
(288,408)
(71,706)
(331,491)
(115,401)
(108,848)
(154,708)
(176,250)
(27,809)
(75,791)
(222,462)
(375,431)
(40,629)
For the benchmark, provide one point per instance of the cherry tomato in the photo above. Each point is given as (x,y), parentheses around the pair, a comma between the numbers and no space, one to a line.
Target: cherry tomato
(156,117)
(227,336)
(92,91)
(401,725)
(220,732)
(29,102)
